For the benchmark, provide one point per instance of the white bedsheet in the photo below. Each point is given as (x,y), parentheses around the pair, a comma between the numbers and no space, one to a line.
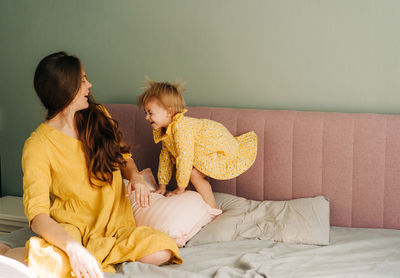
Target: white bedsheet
(352,252)
(10,268)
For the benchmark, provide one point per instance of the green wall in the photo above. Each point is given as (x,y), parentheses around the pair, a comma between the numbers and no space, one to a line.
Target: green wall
(333,55)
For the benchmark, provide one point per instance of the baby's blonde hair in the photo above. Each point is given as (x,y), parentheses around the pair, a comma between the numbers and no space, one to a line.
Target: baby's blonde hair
(169,95)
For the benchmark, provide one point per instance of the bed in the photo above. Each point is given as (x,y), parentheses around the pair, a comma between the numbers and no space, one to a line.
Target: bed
(351,160)
(338,174)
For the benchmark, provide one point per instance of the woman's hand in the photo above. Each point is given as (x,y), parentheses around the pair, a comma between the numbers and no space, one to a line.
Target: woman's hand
(82,262)
(177,191)
(136,183)
(162,188)
(142,192)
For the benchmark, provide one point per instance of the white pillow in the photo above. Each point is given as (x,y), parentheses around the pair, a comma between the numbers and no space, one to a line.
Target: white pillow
(302,221)
(180,216)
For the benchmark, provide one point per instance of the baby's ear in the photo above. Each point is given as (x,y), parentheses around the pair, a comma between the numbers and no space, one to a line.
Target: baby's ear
(171,111)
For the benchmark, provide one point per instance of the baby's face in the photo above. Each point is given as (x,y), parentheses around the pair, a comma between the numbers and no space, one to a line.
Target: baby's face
(157,115)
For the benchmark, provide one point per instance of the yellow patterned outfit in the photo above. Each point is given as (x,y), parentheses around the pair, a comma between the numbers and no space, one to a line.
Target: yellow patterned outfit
(100,217)
(205,145)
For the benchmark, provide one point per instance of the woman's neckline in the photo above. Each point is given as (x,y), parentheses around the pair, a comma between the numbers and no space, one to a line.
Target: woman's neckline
(60,132)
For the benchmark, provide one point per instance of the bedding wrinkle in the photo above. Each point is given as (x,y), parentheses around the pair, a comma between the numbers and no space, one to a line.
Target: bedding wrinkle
(304,220)
(306,259)
(348,255)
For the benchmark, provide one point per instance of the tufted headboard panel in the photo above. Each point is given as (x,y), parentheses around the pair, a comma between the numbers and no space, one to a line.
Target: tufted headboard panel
(353,159)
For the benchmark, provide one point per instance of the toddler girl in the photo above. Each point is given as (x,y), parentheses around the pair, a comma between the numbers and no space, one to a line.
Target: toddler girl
(198,147)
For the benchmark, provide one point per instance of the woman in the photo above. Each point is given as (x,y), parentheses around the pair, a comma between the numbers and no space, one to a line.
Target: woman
(76,157)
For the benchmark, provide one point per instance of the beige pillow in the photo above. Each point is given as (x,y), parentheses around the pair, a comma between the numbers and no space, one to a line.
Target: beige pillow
(304,220)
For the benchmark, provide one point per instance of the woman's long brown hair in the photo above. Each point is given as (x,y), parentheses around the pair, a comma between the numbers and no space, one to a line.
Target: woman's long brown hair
(101,142)
(57,81)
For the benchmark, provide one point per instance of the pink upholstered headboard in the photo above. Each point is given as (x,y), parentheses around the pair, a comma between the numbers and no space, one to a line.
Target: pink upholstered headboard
(353,159)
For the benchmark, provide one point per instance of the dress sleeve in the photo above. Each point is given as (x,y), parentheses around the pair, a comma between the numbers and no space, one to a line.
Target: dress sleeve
(184,145)
(36,179)
(165,166)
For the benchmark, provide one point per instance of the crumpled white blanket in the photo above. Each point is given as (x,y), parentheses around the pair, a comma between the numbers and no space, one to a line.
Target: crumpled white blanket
(353,252)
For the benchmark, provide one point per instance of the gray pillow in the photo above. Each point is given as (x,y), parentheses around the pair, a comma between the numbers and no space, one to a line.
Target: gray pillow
(304,220)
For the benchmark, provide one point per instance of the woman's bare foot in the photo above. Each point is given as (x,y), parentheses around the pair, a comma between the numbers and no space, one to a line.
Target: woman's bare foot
(4,248)
(18,253)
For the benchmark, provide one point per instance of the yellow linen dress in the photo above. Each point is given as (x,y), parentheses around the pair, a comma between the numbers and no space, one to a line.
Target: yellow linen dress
(100,217)
(205,145)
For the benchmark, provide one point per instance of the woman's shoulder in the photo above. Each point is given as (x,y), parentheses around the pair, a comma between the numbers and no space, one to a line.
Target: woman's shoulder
(37,139)
(39,133)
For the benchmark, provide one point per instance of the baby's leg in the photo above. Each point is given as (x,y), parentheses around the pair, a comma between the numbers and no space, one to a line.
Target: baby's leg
(202,186)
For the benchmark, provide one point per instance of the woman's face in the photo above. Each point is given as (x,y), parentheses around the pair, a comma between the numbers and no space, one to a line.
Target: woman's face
(80,101)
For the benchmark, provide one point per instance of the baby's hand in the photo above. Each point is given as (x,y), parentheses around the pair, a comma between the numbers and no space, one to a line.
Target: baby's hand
(162,188)
(177,191)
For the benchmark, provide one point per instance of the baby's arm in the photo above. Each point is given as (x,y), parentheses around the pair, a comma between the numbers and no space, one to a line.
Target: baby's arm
(165,167)
(184,141)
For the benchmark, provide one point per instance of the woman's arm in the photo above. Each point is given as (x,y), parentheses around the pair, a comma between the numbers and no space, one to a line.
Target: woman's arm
(82,262)
(136,183)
